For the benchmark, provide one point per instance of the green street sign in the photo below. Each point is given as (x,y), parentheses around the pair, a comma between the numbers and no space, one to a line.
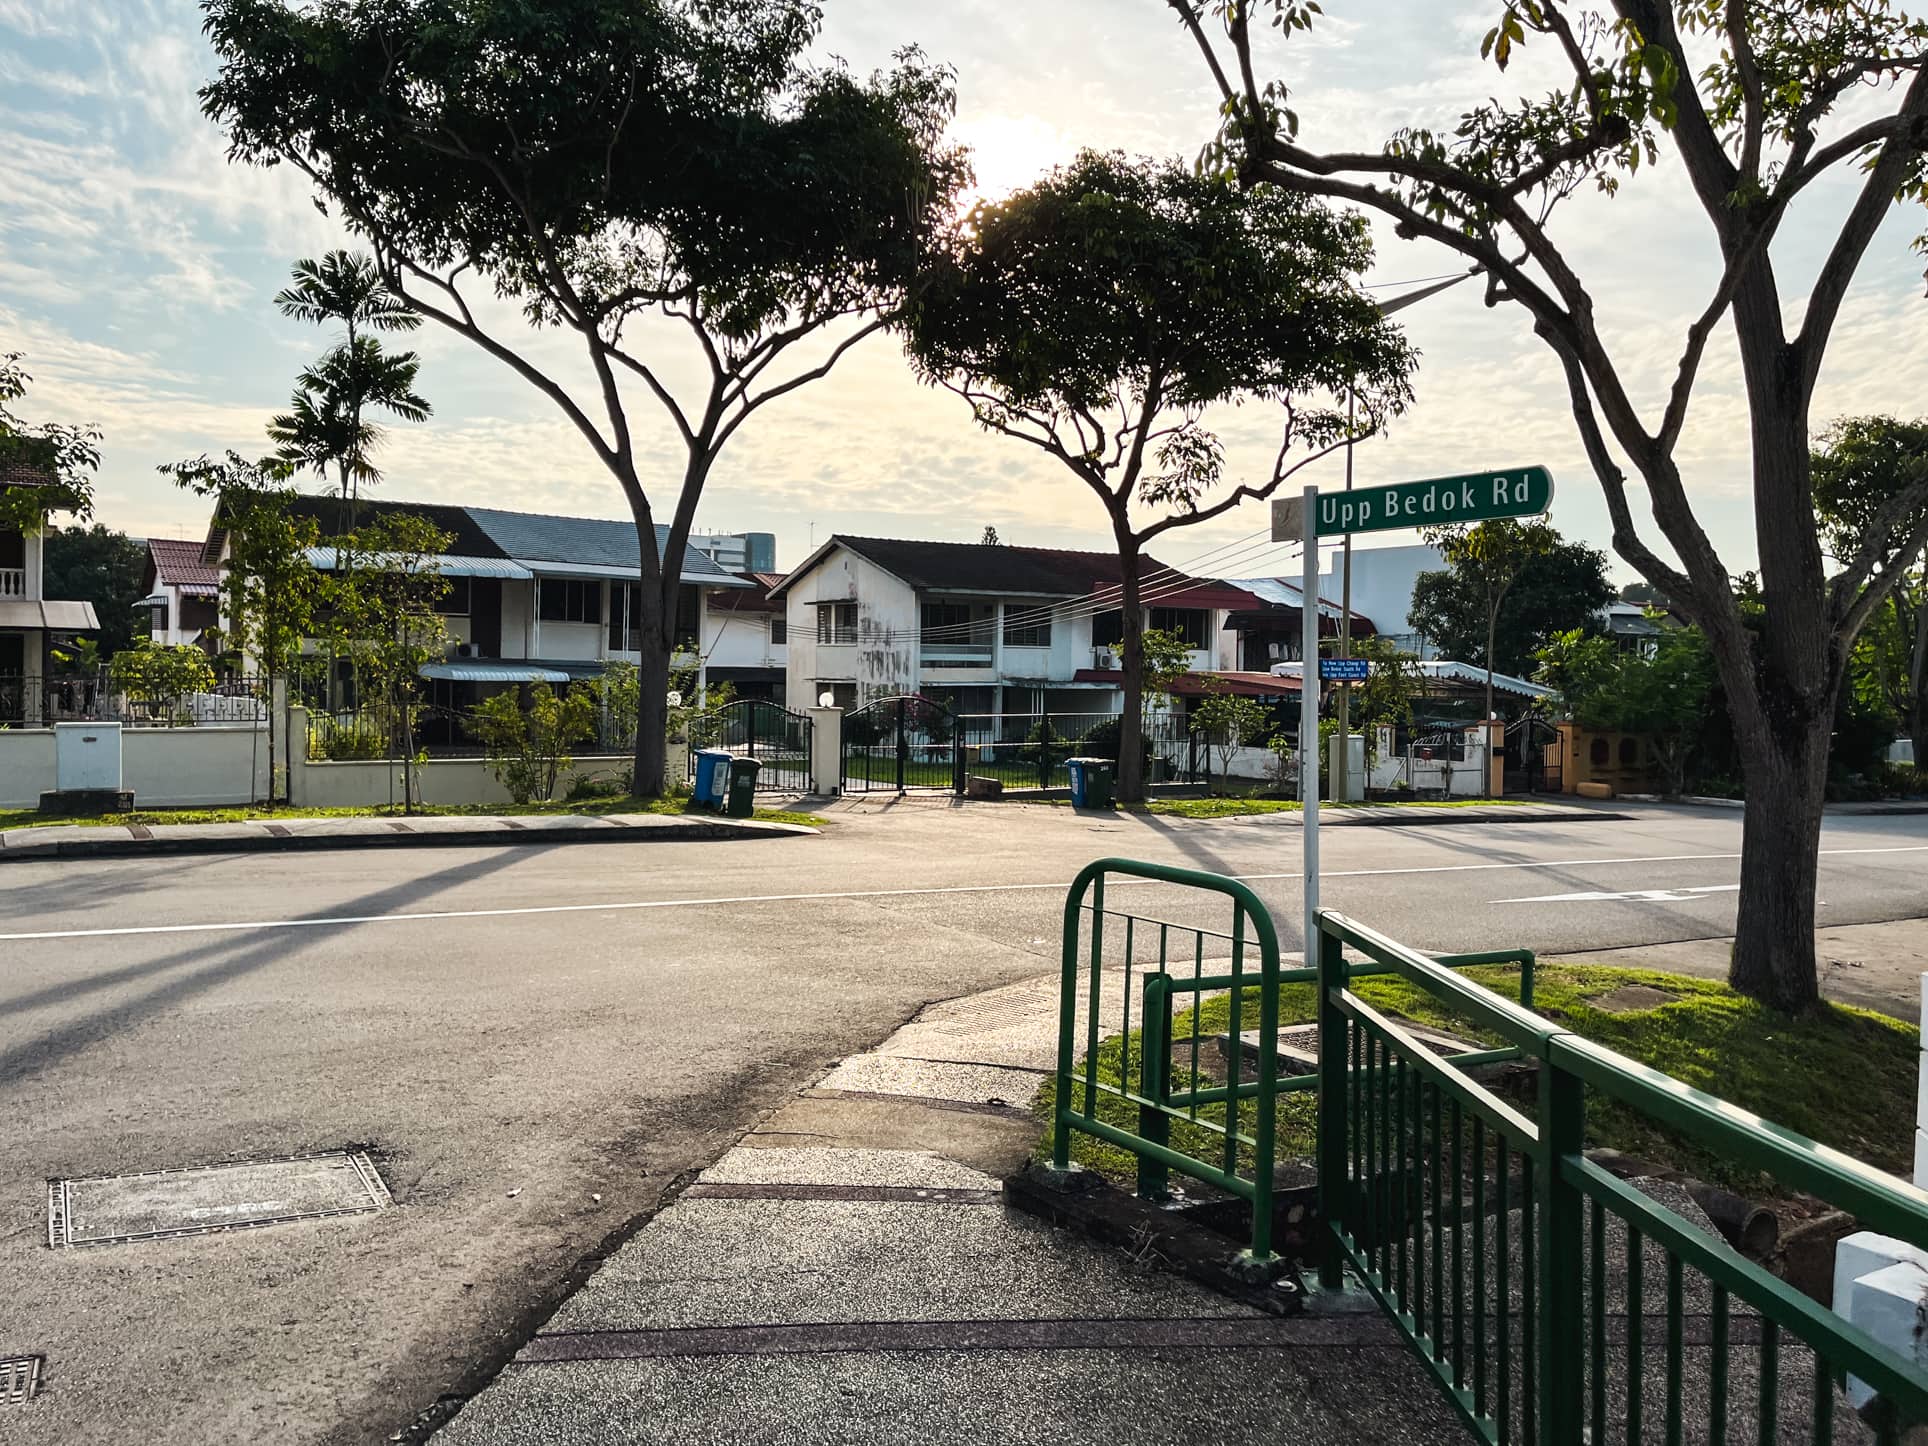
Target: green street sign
(1470,497)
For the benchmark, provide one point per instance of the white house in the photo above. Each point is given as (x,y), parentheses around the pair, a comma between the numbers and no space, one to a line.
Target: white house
(30,622)
(183,592)
(745,640)
(1382,588)
(532,596)
(993,628)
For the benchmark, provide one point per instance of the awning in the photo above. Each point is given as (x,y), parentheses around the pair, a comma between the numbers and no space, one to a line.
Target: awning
(1241,685)
(152,600)
(489,670)
(448,565)
(536,565)
(66,617)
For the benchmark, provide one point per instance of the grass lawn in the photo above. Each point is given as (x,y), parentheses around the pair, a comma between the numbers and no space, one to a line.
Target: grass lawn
(1842,1076)
(243,813)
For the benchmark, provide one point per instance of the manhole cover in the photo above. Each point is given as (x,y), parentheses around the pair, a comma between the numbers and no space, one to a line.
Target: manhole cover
(161,1204)
(19,1379)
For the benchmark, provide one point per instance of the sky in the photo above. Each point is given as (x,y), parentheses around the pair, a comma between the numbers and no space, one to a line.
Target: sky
(137,267)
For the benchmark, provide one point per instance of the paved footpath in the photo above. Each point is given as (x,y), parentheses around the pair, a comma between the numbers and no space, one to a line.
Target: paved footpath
(848,1272)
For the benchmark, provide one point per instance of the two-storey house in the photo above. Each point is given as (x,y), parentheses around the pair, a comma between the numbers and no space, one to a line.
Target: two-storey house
(183,592)
(992,628)
(32,624)
(532,596)
(746,639)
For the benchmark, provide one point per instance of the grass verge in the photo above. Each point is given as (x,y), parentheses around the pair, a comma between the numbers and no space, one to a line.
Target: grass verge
(249,813)
(1842,1076)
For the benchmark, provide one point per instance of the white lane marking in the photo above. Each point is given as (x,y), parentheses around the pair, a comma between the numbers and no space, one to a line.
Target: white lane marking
(1645,896)
(619,906)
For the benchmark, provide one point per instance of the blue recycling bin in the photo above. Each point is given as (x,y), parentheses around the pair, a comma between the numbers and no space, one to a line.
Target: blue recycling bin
(712,776)
(1090,782)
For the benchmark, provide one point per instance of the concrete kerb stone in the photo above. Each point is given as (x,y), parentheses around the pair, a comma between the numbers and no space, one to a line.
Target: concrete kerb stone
(423,831)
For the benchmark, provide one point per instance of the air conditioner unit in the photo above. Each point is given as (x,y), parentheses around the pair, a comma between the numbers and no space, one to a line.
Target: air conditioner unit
(468,650)
(1103,658)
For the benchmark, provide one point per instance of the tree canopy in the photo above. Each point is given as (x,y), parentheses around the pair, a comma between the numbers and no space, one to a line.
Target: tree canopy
(1758,104)
(608,166)
(1556,591)
(106,568)
(44,467)
(1098,315)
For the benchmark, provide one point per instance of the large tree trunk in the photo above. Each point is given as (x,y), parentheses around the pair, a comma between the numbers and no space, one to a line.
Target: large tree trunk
(1782,692)
(1785,763)
(1131,723)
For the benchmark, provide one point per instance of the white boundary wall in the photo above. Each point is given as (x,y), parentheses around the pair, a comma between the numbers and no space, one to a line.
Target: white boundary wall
(206,765)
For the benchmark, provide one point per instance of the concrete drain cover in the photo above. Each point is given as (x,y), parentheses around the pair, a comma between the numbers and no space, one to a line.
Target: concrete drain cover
(19,1379)
(164,1204)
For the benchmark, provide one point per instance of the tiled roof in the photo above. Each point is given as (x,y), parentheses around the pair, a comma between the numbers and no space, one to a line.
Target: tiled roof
(1034,571)
(20,472)
(467,538)
(177,563)
(581,541)
(754,599)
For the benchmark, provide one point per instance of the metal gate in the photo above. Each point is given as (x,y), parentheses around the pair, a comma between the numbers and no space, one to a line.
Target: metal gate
(900,743)
(1530,766)
(775,736)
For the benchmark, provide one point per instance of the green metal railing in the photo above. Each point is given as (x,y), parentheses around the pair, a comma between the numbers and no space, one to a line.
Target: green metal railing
(1554,1302)
(1169,961)
(1519,1269)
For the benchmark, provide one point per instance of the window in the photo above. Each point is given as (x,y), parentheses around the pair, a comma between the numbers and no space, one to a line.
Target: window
(1027,625)
(1107,628)
(779,631)
(1189,623)
(571,600)
(626,618)
(836,622)
(455,602)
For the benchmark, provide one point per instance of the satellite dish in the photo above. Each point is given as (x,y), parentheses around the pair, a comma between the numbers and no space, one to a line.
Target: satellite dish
(826,699)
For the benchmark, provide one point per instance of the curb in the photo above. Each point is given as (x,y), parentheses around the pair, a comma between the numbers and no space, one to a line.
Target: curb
(702,830)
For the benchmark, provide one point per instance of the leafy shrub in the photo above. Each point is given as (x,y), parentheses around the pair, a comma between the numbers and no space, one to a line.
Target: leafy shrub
(528,749)
(355,739)
(585,786)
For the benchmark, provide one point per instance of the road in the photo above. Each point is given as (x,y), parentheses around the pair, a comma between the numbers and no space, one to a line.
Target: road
(536,1042)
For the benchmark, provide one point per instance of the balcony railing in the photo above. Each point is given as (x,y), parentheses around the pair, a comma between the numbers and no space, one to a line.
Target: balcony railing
(946,654)
(13,582)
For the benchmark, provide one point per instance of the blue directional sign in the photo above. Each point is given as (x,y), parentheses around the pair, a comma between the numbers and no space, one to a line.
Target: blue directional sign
(1345,670)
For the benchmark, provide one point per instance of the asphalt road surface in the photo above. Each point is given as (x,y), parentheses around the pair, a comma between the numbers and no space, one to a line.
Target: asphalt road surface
(534,1043)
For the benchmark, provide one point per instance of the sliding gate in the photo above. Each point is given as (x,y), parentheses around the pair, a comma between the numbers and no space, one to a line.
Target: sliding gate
(1554,1302)
(776,737)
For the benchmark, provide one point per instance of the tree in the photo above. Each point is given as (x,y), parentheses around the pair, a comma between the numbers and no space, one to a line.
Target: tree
(271,594)
(990,537)
(328,427)
(1662,694)
(1861,467)
(1758,103)
(106,568)
(1099,313)
(388,614)
(1555,591)
(624,173)
(55,462)
(157,676)
(529,748)
(1487,559)
(1228,722)
(1387,696)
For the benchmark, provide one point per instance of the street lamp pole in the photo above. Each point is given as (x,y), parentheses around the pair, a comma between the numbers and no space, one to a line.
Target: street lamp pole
(1339,769)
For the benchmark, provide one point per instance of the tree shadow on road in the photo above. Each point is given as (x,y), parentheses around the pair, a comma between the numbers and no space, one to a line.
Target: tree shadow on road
(221,961)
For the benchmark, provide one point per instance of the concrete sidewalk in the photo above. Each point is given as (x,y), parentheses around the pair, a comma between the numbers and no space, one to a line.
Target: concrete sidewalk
(114,840)
(849,1272)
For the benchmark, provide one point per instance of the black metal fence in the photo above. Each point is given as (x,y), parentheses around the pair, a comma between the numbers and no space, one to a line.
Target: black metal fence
(778,738)
(41,700)
(896,744)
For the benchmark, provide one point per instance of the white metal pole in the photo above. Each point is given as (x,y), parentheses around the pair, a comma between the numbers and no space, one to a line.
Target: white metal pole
(1309,721)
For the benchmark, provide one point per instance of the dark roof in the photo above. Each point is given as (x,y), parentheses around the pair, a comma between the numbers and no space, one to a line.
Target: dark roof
(467,539)
(177,562)
(754,599)
(583,541)
(21,472)
(1029,571)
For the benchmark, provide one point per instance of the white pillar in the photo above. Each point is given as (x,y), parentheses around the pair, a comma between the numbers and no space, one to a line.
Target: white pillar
(826,751)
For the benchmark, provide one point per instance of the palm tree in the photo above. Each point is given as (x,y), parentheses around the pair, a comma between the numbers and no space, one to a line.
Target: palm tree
(327,428)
